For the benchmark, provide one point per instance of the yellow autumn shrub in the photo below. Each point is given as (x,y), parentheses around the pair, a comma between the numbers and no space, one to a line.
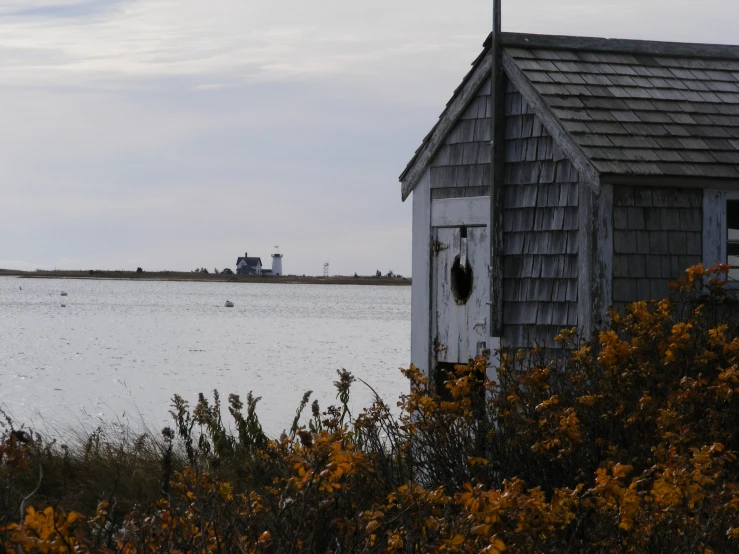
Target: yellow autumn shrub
(621,442)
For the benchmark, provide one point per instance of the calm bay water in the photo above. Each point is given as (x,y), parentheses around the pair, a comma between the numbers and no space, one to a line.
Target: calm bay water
(121,349)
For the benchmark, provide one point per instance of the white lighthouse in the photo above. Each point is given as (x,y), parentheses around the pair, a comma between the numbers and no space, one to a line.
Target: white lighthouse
(277,263)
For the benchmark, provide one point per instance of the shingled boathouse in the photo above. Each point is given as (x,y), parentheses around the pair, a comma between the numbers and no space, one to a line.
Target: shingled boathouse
(615,165)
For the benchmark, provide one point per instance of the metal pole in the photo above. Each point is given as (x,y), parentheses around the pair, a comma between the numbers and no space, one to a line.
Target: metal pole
(496,19)
(497,136)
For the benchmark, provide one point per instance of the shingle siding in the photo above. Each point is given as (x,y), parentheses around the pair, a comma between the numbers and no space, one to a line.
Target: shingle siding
(540,232)
(540,216)
(461,166)
(657,234)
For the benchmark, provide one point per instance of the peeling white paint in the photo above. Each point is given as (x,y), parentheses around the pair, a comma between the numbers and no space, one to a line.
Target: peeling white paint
(421,285)
(460,329)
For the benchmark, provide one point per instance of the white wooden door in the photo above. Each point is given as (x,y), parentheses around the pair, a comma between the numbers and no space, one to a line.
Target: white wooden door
(460,293)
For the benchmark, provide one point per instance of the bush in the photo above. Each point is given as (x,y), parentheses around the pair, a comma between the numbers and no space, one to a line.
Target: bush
(626,443)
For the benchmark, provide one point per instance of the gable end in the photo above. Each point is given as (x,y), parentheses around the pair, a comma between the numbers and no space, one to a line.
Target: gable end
(466,93)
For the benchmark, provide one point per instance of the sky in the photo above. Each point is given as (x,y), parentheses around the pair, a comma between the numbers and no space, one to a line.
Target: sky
(175,134)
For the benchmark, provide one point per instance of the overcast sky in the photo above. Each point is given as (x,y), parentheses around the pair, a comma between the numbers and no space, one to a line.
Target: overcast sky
(173,134)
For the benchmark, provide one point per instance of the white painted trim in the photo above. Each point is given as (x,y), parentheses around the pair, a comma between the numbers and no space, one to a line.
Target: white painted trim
(714,227)
(603,271)
(458,212)
(421,272)
(587,246)
(715,230)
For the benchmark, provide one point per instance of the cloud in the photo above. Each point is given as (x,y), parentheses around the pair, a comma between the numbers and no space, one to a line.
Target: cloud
(180,178)
(95,42)
(180,133)
(407,50)
(61,9)
(210,86)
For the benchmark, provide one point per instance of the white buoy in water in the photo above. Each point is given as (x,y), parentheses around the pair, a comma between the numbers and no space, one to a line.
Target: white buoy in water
(64,293)
(229,304)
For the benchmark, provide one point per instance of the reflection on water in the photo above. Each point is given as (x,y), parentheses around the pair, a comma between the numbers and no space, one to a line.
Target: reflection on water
(121,349)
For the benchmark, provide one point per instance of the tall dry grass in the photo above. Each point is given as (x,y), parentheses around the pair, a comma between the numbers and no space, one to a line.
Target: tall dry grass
(626,443)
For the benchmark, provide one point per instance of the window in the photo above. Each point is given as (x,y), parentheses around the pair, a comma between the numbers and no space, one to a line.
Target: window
(732,237)
(721,231)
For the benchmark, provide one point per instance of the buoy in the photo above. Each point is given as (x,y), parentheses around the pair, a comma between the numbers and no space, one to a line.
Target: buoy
(64,305)
(64,294)
(229,304)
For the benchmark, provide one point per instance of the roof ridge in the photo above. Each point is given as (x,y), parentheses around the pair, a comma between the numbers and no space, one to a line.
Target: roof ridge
(622,46)
(644,98)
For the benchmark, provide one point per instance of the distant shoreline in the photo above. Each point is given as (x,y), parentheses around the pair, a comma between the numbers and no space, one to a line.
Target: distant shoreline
(206,278)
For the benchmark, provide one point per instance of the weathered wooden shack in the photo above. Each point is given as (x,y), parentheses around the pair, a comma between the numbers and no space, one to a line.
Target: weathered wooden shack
(617,167)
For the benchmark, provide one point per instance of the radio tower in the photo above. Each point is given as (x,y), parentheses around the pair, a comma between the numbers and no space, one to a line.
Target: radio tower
(325,269)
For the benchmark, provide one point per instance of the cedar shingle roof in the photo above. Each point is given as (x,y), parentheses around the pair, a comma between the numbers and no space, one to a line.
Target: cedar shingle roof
(634,108)
(639,113)
(251,262)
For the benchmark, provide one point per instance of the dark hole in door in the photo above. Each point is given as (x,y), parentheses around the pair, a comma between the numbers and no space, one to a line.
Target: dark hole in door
(461,281)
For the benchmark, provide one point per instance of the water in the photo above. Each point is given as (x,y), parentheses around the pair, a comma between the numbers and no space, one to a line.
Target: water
(121,349)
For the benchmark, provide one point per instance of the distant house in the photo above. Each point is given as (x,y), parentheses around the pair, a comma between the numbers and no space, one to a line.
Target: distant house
(615,167)
(248,266)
